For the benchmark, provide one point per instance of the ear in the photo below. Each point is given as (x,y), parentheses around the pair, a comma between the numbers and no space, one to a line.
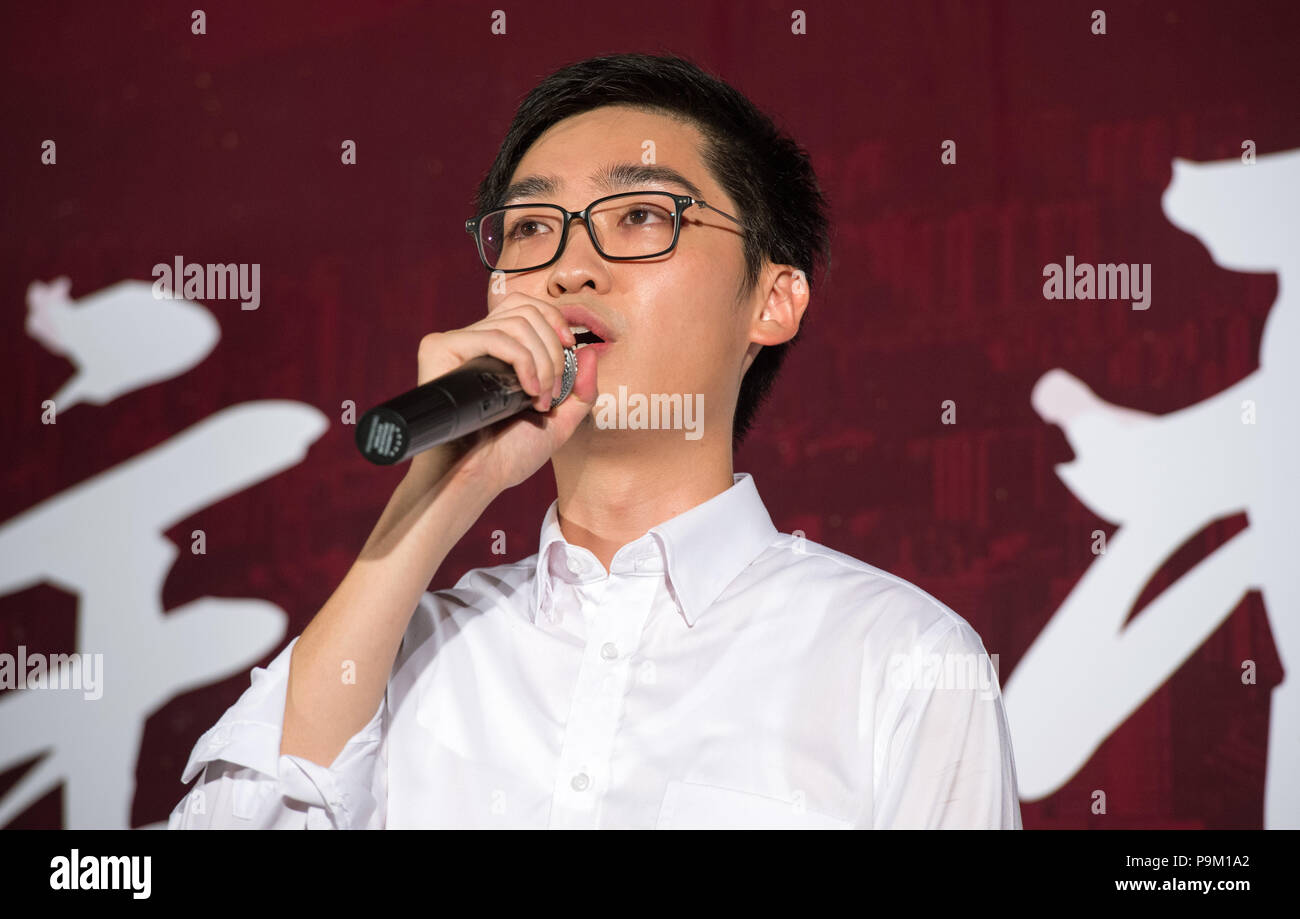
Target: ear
(779,303)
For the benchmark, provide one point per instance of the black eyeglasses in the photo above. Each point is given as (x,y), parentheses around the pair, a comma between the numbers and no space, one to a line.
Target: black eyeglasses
(630,225)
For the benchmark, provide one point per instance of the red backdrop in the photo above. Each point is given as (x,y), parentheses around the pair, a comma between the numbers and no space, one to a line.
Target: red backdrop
(225,147)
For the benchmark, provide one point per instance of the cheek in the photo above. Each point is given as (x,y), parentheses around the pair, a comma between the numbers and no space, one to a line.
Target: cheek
(695,322)
(692,362)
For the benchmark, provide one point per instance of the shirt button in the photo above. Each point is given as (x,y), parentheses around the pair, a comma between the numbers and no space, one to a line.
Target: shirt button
(580,782)
(609,651)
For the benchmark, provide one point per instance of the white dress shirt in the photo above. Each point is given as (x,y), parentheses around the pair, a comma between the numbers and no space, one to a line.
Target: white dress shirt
(722,674)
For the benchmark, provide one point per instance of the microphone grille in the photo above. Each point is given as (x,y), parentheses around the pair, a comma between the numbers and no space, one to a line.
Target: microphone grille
(570,374)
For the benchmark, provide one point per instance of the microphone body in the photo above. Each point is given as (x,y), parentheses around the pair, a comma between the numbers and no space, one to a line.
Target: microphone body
(480,392)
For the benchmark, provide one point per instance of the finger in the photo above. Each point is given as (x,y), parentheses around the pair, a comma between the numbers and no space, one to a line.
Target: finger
(554,332)
(522,330)
(558,322)
(552,314)
(469,343)
(565,418)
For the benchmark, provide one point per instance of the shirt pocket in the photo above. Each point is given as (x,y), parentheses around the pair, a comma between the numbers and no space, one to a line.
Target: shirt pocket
(693,806)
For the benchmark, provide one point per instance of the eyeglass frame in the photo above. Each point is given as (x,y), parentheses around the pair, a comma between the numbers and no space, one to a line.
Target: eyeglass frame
(682,202)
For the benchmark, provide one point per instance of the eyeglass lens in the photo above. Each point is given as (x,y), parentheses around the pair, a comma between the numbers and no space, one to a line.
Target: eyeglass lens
(518,238)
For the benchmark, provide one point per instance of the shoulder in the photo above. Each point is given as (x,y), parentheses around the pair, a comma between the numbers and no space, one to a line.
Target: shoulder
(503,587)
(887,608)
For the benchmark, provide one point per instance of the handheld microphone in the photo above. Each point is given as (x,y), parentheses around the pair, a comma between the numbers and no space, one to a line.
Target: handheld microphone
(480,392)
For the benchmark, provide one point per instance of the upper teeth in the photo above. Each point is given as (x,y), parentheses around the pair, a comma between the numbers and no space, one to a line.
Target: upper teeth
(575,329)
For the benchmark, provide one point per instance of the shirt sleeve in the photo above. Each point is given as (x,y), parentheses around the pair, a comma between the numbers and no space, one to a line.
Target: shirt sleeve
(247,784)
(949,760)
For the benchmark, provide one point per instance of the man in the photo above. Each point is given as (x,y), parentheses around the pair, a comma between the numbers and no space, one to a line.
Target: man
(667,658)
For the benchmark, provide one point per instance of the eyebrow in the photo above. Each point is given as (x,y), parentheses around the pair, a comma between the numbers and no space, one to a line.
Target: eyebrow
(611,178)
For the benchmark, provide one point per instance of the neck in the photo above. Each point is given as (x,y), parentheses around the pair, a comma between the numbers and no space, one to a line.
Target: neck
(611,496)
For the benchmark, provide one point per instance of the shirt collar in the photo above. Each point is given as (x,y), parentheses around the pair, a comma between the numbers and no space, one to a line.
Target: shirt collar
(703,549)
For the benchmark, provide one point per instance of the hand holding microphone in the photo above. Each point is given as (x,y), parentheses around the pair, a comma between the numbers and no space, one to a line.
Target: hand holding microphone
(479,393)
(521,359)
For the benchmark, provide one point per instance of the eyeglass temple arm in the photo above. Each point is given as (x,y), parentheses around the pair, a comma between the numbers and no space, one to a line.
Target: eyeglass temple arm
(707,206)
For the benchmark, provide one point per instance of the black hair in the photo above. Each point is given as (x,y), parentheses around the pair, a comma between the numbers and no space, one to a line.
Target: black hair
(763,170)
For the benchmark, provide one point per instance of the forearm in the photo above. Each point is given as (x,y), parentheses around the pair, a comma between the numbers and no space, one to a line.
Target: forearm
(358,632)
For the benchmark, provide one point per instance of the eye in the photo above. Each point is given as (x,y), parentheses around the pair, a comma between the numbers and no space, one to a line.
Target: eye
(525,228)
(642,214)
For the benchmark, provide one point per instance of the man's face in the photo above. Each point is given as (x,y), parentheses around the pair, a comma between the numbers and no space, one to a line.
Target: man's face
(674,317)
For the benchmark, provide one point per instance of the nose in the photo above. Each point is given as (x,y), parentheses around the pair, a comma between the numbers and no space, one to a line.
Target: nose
(579,265)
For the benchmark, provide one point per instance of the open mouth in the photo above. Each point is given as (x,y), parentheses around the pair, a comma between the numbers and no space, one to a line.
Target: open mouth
(584,336)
